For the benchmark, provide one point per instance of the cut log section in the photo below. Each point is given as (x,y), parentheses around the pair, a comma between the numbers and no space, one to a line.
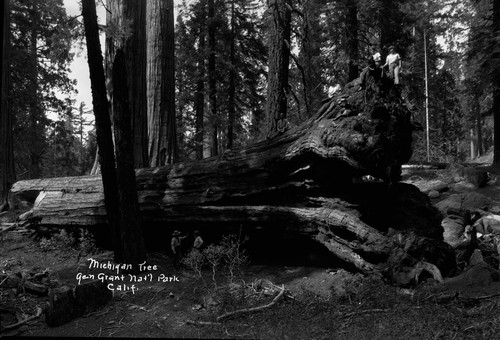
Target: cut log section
(304,181)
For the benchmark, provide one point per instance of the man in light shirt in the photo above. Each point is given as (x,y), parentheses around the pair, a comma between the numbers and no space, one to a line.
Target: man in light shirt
(393,60)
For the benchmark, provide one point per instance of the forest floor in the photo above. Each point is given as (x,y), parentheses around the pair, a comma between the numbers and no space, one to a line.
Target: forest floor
(318,303)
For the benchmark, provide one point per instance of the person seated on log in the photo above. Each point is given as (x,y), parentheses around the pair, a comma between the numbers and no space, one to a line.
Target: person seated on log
(176,246)
(393,61)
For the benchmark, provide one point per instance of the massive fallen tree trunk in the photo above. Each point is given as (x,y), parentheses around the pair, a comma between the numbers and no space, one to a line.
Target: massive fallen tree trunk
(303,182)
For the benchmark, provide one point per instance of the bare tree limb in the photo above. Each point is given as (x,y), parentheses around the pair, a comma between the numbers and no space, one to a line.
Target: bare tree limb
(254,309)
(22,322)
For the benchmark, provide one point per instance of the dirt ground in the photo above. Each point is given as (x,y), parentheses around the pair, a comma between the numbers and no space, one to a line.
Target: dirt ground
(319,303)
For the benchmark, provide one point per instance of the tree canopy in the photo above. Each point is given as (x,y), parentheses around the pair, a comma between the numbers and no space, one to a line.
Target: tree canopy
(223,73)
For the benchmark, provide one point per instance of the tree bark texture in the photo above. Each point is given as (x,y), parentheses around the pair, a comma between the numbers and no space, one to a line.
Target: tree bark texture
(200,87)
(36,115)
(132,241)
(479,125)
(231,110)
(109,187)
(352,40)
(279,57)
(386,36)
(212,79)
(129,19)
(309,56)
(7,173)
(303,182)
(496,87)
(162,140)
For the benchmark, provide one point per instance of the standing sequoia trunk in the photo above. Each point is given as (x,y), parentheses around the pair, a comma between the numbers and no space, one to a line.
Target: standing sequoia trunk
(200,87)
(496,87)
(162,137)
(7,174)
(279,57)
(302,183)
(132,242)
(129,18)
(352,42)
(212,82)
(231,110)
(309,55)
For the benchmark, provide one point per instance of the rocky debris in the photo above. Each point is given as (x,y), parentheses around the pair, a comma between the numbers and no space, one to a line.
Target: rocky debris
(462,202)
(454,228)
(67,303)
(426,186)
(433,194)
(479,275)
(488,224)
(455,177)
(476,177)
(23,283)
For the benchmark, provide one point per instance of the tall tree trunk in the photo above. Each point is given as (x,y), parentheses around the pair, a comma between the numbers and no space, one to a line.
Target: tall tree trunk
(103,124)
(231,110)
(279,57)
(80,132)
(309,55)
(154,78)
(133,13)
(352,37)
(385,24)
(170,124)
(496,86)
(7,173)
(162,137)
(134,251)
(36,130)
(212,82)
(479,125)
(200,87)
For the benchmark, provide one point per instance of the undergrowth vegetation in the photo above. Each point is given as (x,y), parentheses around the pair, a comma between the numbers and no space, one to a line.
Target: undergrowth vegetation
(223,262)
(82,241)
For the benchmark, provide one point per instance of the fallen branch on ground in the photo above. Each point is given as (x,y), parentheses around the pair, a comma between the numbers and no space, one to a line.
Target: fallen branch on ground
(22,322)
(487,296)
(430,268)
(253,309)
(202,323)
(4,280)
(21,283)
(366,311)
(10,226)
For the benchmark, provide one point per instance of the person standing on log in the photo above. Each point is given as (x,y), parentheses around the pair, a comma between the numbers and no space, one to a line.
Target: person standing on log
(176,245)
(393,61)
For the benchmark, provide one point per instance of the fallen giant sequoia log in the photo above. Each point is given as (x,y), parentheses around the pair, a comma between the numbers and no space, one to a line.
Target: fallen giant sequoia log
(303,182)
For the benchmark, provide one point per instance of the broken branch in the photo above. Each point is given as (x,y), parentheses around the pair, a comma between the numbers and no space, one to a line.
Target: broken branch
(22,322)
(253,309)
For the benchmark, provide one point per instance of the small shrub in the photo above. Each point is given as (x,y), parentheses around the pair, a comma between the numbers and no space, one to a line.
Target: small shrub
(234,257)
(64,241)
(214,255)
(226,258)
(195,261)
(86,242)
(230,297)
(59,241)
